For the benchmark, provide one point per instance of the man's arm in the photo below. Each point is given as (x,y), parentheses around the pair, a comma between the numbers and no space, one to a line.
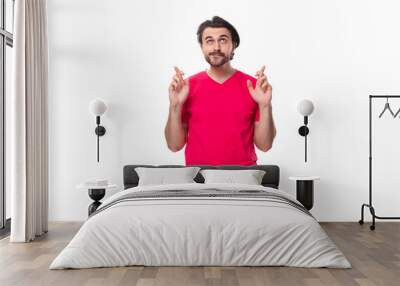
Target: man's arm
(175,130)
(264,129)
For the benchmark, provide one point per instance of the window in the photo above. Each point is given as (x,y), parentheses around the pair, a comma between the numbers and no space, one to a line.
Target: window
(6,44)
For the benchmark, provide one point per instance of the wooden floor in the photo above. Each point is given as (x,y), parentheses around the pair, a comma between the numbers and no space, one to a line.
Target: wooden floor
(374,255)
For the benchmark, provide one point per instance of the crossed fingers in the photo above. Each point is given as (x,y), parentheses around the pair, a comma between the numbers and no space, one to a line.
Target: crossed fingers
(177,79)
(262,80)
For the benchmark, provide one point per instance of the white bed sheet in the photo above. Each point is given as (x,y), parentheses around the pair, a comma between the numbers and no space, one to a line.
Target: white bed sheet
(200,231)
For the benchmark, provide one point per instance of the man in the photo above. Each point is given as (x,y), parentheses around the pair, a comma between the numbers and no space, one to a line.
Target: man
(220,113)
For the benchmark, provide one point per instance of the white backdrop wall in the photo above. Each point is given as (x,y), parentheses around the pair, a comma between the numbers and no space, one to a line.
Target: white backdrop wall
(335,53)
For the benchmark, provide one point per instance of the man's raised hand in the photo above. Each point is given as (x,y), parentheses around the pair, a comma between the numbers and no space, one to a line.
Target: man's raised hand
(262,93)
(178,89)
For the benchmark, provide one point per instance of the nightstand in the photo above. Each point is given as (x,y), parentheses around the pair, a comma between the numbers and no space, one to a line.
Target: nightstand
(305,190)
(96,193)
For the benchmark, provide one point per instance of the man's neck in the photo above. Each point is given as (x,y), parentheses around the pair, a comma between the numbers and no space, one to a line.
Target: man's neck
(221,72)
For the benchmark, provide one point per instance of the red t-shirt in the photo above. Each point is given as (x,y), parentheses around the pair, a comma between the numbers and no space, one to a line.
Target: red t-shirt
(220,119)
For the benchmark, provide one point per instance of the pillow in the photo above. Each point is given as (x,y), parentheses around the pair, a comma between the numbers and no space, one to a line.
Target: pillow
(162,176)
(249,177)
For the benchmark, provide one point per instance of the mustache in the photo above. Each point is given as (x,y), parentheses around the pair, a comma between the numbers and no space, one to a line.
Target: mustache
(216,54)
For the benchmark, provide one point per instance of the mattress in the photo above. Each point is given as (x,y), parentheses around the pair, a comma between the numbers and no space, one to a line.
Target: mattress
(201,225)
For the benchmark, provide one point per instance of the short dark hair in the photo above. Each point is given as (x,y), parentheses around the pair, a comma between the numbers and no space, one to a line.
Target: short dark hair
(218,22)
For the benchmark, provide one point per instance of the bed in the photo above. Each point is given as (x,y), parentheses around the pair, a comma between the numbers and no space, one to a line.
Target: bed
(201,224)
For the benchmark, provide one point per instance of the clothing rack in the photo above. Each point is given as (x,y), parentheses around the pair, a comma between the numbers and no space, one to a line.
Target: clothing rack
(369,205)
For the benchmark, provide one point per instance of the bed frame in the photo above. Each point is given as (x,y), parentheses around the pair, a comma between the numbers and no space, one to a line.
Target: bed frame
(270,179)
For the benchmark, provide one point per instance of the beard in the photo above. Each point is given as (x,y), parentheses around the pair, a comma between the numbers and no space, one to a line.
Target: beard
(218,59)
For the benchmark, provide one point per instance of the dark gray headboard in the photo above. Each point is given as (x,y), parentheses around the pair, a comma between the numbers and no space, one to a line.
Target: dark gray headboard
(270,179)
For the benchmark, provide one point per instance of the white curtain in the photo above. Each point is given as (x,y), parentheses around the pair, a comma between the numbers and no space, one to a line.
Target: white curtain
(28,121)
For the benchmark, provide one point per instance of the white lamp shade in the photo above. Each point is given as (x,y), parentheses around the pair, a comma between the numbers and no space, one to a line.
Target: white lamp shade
(97,107)
(305,107)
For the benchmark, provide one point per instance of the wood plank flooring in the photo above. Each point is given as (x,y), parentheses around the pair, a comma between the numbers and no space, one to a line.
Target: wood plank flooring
(374,255)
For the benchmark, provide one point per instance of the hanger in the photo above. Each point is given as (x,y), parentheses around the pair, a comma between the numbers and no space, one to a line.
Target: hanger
(398,111)
(387,106)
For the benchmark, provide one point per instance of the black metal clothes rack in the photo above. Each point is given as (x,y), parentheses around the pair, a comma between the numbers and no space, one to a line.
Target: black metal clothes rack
(370,205)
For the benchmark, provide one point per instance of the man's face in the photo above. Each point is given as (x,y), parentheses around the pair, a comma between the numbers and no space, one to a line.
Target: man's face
(217,46)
